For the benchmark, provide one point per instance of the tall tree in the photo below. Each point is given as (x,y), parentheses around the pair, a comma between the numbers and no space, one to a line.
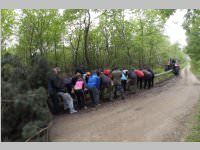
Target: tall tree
(7,26)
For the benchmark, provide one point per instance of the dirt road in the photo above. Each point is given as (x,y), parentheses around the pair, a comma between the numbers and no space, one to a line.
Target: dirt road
(157,114)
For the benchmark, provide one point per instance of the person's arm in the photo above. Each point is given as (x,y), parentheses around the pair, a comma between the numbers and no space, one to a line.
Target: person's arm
(111,76)
(83,85)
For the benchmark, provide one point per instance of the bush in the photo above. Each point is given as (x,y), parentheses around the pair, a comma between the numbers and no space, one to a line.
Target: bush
(24,106)
(38,72)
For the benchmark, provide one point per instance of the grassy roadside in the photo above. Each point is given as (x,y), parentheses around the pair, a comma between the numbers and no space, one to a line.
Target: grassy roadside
(194,129)
(195,67)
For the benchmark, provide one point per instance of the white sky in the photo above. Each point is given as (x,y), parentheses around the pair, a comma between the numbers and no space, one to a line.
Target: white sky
(174,30)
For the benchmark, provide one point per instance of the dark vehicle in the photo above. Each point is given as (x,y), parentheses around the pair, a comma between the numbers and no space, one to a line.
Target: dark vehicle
(176,69)
(173,65)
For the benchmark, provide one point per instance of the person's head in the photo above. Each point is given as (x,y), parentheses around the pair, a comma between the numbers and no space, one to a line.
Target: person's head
(78,75)
(56,70)
(101,74)
(115,68)
(98,72)
(88,74)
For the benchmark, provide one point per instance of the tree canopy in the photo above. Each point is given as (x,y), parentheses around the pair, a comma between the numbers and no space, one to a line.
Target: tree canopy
(95,38)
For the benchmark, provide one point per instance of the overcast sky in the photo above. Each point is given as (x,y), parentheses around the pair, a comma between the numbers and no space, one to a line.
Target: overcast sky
(174,29)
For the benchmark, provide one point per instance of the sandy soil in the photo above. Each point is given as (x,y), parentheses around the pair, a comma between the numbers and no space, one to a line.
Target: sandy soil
(158,114)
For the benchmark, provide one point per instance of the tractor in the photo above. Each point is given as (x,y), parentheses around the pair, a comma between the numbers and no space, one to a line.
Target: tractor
(173,65)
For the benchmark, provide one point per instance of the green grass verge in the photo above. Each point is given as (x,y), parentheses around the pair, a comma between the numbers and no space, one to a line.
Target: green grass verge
(194,130)
(195,67)
(194,134)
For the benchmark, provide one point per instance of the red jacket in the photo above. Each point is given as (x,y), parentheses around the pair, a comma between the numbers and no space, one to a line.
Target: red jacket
(139,73)
(107,72)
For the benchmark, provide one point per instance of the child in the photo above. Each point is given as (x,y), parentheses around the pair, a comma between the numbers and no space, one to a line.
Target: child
(79,91)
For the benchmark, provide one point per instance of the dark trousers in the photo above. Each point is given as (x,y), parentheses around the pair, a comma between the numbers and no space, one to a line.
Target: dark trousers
(80,98)
(55,101)
(124,84)
(106,89)
(147,82)
(120,89)
(139,81)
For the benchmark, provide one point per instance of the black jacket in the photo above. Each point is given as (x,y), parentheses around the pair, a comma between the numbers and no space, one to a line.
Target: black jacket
(55,84)
(153,75)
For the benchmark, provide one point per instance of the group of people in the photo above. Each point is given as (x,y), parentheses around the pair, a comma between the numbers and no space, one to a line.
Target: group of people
(97,84)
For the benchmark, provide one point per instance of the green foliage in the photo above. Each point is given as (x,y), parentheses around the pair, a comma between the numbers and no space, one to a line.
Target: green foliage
(196,68)
(7,22)
(137,41)
(166,13)
(29,129)
(24,106)
(38,72)
(191,25)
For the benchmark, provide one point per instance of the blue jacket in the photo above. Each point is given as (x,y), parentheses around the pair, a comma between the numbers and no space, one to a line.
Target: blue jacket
(123,76)
(93,81)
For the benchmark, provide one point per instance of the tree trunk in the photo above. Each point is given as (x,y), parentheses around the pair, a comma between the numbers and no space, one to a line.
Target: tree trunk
(55,52)
(64,56)
(142,44)
(86,32)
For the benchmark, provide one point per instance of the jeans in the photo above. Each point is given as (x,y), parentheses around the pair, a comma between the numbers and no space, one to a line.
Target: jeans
(68,101)
(94,93)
